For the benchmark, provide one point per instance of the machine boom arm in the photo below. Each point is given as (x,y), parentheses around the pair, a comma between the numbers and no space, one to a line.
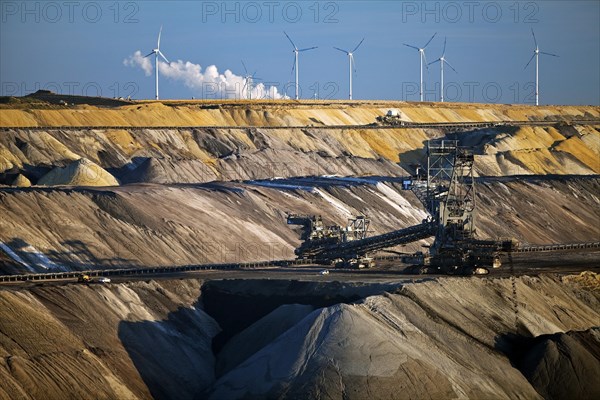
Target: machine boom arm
(330,251)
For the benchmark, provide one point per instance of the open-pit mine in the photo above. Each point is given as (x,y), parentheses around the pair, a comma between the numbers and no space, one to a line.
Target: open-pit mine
(298,249)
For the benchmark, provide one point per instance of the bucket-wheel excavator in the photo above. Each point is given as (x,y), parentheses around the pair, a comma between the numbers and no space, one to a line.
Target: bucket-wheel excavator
(448,194)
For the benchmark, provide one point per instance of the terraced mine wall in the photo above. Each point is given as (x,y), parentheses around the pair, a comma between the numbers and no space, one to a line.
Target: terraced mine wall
(189,193)
(179,339)
(167,225)
(225,154)
(298,139)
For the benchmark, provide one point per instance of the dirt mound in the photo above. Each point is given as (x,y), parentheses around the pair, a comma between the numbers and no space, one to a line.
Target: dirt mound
(161,170)
(21,181)
(260,334)
(589,280)
(82,172)
(62,99)
(435,339)
(565,365)
(344,351)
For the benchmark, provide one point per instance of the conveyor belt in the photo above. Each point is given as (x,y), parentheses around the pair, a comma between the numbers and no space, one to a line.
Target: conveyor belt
(250,265)
(331,251)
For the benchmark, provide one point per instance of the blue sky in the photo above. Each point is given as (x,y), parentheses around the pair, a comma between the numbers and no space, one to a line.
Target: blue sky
(79,47)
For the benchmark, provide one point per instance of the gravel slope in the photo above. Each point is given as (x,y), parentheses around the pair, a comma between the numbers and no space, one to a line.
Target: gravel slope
(443,338)
(438,339)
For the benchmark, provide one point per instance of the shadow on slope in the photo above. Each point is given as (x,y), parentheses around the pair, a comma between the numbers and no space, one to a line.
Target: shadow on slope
(25,257)
(31,172)
(559,365)
(253,299)
(173,356)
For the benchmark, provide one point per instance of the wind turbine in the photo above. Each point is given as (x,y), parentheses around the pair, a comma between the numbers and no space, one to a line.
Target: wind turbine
(442,60)
(536,54)
(422,58)
(295,65)
(248,80)
(156,53)
(350,62)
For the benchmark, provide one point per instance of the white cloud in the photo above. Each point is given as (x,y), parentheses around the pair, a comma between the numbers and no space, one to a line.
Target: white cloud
(137,60)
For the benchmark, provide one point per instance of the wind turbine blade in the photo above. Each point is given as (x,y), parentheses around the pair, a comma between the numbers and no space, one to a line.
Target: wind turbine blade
(529,62)
(534,41)
(411,46)
(149,54)
(353,63)
(293,65)
(342,50)
(290,39)
(430,40)
(548,54)
(444,51)
(358,45)
(158,43)
(433,62)
(163,56)
(450,65)
(425,59)
(309,48)
(245,83)
(245,69)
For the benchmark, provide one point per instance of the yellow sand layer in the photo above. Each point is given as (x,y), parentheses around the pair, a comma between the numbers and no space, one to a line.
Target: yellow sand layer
(579,150)
(277,114)
(123,139)
(541,149)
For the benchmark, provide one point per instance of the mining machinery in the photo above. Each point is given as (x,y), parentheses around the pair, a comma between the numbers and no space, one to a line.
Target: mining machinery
(393,117)
(324,242)
(450,199)
(448,193)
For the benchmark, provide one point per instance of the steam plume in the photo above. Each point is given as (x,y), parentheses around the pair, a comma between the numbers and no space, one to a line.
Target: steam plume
(204,83)
(137,60)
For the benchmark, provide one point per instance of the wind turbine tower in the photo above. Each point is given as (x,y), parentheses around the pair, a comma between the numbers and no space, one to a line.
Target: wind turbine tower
(156,53)
(536,54)
(423,60)
(351,64)
(442,60)
(295,65)
(248,81)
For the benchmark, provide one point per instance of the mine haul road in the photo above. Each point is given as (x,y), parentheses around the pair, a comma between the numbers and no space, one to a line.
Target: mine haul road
(388,270)
(403,125)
